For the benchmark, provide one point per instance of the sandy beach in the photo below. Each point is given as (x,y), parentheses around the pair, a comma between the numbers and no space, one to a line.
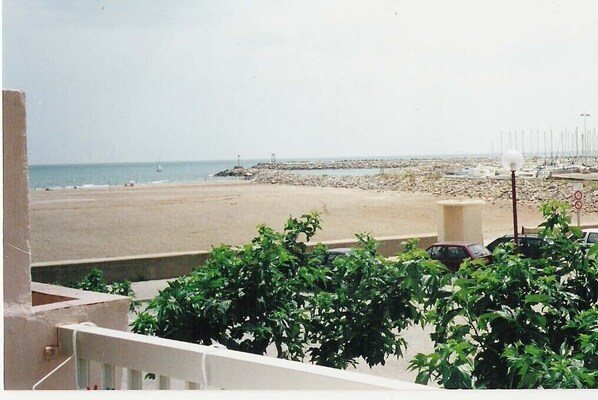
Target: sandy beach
(121,221)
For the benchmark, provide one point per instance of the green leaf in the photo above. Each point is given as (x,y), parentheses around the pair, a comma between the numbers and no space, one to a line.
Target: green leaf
(537,298)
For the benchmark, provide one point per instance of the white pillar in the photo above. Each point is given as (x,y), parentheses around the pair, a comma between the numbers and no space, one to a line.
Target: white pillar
(460,220)
(17,257)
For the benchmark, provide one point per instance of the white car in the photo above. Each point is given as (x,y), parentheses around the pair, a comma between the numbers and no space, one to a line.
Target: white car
(590,236)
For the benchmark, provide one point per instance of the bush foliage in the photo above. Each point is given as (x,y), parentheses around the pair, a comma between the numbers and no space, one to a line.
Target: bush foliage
(517,323)
(273,291)
(95,282)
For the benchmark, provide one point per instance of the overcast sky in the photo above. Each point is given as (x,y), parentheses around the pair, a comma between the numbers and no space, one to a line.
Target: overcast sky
(120,81)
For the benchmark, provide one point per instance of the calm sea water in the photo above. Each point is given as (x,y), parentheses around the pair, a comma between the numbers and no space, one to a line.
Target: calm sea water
(98,175)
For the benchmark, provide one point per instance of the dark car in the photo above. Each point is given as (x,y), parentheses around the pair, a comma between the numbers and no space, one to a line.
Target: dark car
(530,245)
(332,254)
(452,254)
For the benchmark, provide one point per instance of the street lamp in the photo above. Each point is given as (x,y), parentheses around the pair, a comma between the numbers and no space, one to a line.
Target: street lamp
(512,160)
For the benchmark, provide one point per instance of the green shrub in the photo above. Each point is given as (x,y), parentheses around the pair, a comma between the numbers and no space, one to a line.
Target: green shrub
(272,291)
(369,301)
(244,298)
(95,282)
(518,323)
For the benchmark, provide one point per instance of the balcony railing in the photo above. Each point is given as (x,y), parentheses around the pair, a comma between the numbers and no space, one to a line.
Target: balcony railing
(197,367)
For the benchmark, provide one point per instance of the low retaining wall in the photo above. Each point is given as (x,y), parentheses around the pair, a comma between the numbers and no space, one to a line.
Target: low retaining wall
(172,265)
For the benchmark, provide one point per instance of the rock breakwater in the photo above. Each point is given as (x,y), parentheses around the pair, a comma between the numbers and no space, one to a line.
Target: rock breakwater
(434,177)
(448,165)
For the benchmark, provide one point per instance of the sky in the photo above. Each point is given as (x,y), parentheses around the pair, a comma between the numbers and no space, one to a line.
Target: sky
(148,80)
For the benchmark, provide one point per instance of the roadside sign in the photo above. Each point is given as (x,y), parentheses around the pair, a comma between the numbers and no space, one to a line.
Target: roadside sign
(577,199)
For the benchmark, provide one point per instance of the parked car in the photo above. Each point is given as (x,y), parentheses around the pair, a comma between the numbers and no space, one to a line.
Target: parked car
(529,244)
(452,254)
(332,254)
(590,236)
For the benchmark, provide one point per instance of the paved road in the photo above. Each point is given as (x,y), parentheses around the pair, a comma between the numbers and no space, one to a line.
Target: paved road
(146,290)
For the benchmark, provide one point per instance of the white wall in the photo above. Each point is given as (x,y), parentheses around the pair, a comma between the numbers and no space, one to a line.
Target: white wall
(28,329)
(460,220)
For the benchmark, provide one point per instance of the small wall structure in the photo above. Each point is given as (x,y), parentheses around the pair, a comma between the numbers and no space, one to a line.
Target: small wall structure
(460,220)
(132,268)
(172,265)
(32,311)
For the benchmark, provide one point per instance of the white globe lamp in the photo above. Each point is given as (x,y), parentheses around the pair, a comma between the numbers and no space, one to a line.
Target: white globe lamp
(512,160)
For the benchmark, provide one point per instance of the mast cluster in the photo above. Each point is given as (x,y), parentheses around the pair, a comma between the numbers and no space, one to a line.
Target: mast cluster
(579,145)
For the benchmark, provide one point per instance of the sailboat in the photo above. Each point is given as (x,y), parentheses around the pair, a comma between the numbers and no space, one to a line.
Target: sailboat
(159,168)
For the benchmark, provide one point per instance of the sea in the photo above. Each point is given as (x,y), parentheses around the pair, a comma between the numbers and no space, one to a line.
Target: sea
(80,176)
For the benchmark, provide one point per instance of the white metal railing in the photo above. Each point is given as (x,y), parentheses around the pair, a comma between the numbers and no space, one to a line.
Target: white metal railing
(200,367)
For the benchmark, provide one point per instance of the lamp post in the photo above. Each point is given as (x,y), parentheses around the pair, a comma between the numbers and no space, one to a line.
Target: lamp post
(512,160)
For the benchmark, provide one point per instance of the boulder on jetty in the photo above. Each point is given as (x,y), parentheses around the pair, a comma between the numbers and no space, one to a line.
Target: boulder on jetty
(334,164)
(441,177)
(236,171)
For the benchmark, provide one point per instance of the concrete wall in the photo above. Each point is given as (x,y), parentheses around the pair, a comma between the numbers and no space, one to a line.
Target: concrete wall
(133,268)
(28,329)
(26,335)
(172,265)
(389,245)
(17,255)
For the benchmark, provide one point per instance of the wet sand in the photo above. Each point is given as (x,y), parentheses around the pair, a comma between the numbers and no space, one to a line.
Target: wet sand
(122,221)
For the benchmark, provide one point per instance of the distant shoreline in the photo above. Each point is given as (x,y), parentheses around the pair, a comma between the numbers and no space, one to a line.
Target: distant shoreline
(480,177)
(103,188)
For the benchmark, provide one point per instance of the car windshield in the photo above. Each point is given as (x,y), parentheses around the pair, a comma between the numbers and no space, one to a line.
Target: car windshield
(478,250)
(456,252)
(435,252)
(593,237)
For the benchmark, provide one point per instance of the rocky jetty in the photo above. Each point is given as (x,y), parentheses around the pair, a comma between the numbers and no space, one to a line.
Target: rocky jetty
(237,172)
(435,164)
(443,178)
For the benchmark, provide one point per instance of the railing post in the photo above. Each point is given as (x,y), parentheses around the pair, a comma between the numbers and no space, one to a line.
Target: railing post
(109,377)
(134,379)
(164,383)
(82,373)
(192,386)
